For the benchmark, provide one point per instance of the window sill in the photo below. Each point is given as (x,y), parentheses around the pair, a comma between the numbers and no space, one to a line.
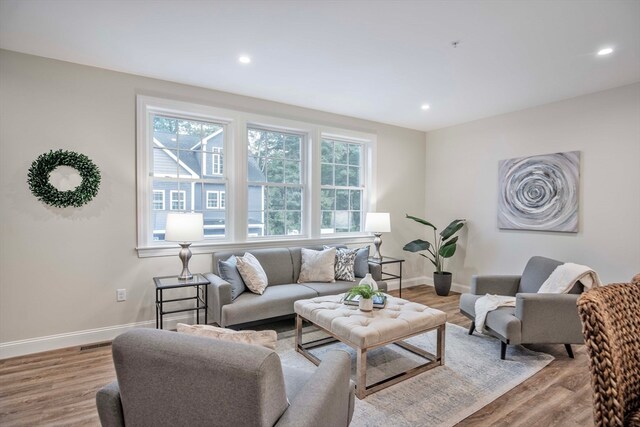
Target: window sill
(169,249)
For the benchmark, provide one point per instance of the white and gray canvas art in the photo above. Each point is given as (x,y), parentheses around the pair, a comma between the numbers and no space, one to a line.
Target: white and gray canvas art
(539,192)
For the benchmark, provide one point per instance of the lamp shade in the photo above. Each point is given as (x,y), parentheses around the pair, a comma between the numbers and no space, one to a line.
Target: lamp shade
(378,222)
(184,227)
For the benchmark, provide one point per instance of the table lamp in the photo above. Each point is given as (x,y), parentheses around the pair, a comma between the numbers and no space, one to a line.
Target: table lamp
(377,223)
(184,228)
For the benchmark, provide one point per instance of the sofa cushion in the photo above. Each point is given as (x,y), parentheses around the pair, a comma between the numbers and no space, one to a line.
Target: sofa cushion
(228,271)
(295,380)
(276,301)
(276,262)
(538,270)
(317,266)
(345,260)
(468,303)
(252,273)
(361,265)
(338,287)
(267,338)
(504,322)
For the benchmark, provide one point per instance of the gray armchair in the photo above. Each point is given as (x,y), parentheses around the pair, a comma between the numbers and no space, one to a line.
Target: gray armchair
(170,379)
(536,318)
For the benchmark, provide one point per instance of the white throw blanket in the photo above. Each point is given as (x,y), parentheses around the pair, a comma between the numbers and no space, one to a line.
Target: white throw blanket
(566,275)
(560,281)
(489,303)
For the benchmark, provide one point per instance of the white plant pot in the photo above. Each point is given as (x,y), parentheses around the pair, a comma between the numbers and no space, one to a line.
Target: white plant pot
(366,304)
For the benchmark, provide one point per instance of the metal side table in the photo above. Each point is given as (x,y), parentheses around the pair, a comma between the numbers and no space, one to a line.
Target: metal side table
(198,282)
(385,260)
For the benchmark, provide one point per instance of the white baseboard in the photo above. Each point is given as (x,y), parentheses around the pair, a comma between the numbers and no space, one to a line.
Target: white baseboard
(79,338)
(424,280)
(92,336)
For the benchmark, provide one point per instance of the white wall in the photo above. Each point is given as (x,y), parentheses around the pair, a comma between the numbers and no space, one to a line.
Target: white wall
(60,268)
(462,179)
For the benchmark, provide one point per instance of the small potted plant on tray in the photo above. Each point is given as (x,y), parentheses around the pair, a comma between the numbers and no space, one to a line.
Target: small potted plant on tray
(366,294)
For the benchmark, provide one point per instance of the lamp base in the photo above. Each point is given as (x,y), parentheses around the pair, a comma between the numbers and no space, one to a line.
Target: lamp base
(185,256)
(377,242)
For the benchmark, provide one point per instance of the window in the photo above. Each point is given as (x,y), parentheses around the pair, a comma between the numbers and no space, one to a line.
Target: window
(342,186)
(158,200)
(181,153)
(275,185)
(286,180)
(212,200)
(178,199)
(215,199)
(216,160)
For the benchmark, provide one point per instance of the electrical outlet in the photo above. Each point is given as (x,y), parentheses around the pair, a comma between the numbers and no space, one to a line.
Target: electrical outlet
(121,295)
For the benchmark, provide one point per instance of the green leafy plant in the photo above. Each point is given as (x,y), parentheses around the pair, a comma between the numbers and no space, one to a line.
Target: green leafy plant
(444,245)
(364,291)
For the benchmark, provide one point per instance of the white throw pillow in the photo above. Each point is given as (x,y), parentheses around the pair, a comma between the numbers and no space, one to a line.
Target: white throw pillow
(252,273)
(266,339)
(317,266)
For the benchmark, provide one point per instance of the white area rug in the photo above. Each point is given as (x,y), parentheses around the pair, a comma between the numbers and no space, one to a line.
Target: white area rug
(472,377)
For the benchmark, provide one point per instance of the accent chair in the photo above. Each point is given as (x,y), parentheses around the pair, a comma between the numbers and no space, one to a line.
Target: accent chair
(536,318)
(171,379)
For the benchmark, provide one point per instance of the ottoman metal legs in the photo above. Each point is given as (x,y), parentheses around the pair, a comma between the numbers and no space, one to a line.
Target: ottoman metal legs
(362,389)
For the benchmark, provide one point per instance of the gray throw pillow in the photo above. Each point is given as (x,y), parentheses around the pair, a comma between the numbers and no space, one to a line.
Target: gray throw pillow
(228,271)
(361,265)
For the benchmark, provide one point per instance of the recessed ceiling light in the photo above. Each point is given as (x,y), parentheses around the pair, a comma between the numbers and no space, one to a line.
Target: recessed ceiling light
(425,106)
(244,59)
(605,51)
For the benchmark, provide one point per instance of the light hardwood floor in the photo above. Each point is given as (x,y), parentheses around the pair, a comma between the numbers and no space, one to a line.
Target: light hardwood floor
(58,387)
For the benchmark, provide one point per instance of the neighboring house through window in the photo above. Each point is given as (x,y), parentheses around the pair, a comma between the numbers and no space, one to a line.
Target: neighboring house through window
(299,181)
(158,200)
(178,199)
(215,199)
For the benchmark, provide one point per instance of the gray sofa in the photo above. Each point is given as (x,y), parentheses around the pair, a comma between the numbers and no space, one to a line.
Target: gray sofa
(171,379)
(282,266)
(536,318)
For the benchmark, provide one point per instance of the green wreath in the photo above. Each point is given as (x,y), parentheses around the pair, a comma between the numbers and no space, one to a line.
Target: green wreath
(42,167)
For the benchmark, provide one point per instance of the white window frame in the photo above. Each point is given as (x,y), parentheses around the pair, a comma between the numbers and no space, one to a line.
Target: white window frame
(183,194)
(293,129)
(235,177)
(153,201)
(216,161)
(363,187)
(219,199)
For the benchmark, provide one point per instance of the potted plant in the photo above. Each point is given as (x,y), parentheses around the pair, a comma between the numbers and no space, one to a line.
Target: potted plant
(366,293)
(443,246)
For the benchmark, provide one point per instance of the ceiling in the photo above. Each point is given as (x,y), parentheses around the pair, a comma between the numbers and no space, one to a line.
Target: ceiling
(377,60)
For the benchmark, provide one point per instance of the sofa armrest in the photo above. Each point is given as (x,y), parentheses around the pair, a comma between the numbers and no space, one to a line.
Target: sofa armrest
(376,271)
(498,285)
(110,406)
(219,295)
(549,318)
(325,400)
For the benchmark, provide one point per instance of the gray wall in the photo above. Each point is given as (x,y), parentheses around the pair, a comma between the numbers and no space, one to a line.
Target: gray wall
(462,178)
(60,268)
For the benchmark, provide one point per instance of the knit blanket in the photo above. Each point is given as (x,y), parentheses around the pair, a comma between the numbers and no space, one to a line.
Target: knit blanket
(566,275)
(488,303)
(561,280)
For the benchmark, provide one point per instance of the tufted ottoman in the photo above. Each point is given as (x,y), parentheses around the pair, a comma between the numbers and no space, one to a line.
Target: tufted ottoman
(363,331)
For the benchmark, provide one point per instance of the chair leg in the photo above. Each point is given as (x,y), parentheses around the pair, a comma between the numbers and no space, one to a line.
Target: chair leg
(503,350)
(569,350)
(472,328)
